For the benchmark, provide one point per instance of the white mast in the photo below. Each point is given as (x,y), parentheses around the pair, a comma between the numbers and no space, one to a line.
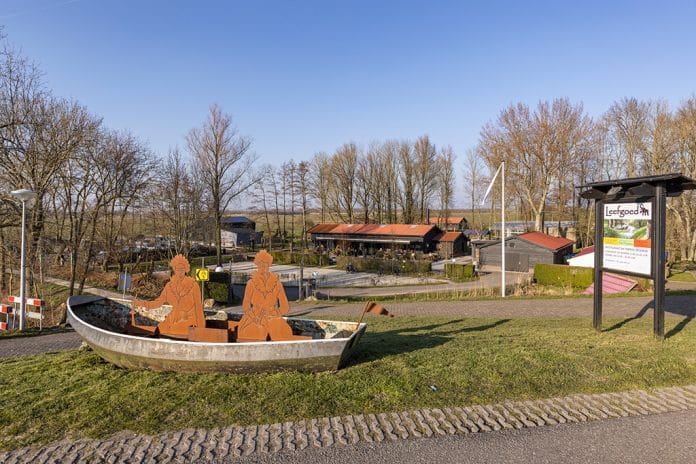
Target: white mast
(501,168)
(502,240)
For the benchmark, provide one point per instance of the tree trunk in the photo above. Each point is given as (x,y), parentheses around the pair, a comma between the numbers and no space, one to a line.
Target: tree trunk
(218,236)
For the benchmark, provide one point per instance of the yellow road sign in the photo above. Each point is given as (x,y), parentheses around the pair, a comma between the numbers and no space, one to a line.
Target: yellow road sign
(202,274)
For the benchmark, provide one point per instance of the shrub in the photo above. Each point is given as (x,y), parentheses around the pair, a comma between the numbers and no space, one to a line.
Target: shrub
(217,291)
(561,275)
(310,259)
(460,272)
(218,287)
(388,266)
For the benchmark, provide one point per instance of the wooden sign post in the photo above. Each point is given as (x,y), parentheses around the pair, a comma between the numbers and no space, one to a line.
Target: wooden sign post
(630,234)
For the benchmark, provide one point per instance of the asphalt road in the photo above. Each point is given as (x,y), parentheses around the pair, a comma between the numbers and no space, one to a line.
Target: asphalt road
(660,438)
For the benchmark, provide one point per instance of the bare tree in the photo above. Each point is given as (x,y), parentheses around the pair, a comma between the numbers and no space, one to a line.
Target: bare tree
(407,166)
(446,181)
(661,143)
(426,173)
(319,180)
(389,180)
(262,200)
(179,198)
(225,163)
(537,148)
(626,127)
(344,165)
(289,172)
(364,174)
(473,184)
(683,209)
(303,169)
(273,178)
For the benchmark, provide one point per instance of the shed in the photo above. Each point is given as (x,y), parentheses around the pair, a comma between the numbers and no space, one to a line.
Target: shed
(524,251)
(238,231)
(450,244)
(585,258)
(238,222)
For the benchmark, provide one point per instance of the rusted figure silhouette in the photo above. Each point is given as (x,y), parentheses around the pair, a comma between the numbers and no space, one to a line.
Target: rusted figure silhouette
(264,305)
(183,294)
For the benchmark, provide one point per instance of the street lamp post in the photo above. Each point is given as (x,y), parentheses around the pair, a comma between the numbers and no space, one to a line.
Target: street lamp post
(23,195)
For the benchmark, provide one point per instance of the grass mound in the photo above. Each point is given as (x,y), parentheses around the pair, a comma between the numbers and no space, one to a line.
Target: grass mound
(470,361)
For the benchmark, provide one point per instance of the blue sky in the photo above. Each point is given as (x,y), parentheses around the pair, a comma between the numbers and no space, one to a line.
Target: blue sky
(301,77)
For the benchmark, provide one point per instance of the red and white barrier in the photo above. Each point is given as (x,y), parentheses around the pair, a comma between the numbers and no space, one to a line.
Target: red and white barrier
(29,301)
(7,310)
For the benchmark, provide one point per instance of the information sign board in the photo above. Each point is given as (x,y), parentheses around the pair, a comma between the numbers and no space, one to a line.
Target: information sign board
(628,238)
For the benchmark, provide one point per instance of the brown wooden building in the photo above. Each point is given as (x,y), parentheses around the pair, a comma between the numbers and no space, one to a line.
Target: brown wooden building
(523,251)
(450,244)
(369,239)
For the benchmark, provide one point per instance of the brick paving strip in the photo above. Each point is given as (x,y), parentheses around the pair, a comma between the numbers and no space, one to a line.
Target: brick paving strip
(216,445)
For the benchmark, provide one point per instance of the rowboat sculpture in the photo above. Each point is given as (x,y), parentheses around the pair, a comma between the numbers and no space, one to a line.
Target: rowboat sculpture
(173,333)
(103,324)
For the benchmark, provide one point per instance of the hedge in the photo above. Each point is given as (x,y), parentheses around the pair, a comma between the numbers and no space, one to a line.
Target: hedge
(561,275)
(310,259)
(460,272)
(387,266)
(218,287)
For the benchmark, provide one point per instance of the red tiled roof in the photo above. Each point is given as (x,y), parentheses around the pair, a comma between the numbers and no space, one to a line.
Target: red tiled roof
(321,228)
(545,240)
(450,220)
(448,236)
(585,251)
(407,230)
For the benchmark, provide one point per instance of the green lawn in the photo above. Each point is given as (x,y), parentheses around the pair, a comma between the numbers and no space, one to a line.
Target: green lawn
(75,394)
(681,276)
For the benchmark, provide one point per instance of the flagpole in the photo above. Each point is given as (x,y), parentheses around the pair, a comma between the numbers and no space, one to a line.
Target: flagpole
(501,168)
(502,240)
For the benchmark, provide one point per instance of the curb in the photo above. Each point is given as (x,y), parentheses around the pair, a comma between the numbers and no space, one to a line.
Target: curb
(200,445)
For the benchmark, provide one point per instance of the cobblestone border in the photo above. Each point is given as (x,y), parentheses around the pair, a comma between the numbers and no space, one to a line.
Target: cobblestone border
(198,445)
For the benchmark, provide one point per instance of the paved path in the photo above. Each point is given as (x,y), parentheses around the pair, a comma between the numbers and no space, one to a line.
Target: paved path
(24,346)
(340,434)
(660,438)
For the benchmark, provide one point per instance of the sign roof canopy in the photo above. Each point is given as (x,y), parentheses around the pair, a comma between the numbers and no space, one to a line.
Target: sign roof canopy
(674,184)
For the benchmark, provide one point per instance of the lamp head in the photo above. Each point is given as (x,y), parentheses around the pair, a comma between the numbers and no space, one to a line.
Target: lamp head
(23,194)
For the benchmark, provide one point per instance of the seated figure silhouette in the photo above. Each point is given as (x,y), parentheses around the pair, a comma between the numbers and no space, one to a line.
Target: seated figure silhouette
(264,305)
(184,295)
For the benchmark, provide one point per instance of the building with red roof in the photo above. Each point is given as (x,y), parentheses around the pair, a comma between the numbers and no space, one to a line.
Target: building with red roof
(452,223)
(450,244)
(523,251)
(368,239)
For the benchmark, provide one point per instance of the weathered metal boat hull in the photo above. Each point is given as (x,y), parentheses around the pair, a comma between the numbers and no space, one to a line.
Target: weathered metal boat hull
(159,354)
